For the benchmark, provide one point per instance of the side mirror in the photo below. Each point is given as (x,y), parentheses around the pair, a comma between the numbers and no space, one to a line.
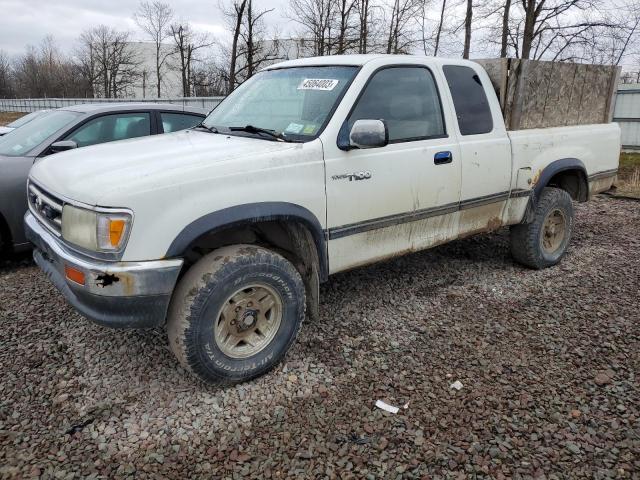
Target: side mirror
(62,146)
(368,134)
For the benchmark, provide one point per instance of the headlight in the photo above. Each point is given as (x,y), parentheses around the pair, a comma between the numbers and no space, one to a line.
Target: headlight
(97,231)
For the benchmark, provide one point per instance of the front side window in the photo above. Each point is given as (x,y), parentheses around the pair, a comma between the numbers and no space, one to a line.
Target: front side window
(26,138)
(109,128)
(406,98)
(295,102)
(469,100)
(172,122)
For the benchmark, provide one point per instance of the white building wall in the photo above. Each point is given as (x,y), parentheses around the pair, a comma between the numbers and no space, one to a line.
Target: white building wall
(145,87)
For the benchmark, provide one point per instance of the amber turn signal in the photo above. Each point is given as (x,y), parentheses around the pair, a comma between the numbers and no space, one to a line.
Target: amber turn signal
(116,229)
(74,275)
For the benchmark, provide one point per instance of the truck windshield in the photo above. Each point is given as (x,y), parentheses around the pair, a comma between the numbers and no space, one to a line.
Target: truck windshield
(294,103)
(24,139)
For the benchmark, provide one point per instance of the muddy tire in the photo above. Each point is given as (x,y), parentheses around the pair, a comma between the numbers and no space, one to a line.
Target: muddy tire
(543,242)
(235,314)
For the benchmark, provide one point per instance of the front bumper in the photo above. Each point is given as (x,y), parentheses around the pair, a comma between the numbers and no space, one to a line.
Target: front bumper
(114,294)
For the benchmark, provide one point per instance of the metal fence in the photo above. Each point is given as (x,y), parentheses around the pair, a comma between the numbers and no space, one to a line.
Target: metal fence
(627,114)
(33,104)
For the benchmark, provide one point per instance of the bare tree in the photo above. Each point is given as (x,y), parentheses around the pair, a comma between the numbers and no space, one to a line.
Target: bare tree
(436,47)
(154,18)
(615,43)
(316,18)
(345,14)
(6,76)
(504,37)
(108,61)
(467,29)
(254,49)
(209,79)
(364,19)
(561,30)
(401,31)
(556,24)
(250,48)
(235,17)
(186,45)
(44,71)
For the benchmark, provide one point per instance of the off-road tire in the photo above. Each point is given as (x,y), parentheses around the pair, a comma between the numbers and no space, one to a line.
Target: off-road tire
(205,289)
(526,239)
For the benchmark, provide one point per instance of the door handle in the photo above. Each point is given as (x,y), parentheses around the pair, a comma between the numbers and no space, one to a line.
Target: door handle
(442,158)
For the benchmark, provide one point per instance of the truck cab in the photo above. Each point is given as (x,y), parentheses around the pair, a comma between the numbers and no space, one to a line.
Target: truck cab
(223,233)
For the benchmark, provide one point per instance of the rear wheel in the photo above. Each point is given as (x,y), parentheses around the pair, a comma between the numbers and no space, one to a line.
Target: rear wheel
(235,313)
(543,242)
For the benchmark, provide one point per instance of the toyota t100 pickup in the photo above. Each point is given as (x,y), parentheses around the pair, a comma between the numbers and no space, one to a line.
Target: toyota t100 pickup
(223,233)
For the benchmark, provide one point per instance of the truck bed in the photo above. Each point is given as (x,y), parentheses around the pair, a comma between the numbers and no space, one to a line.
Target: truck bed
(596,146)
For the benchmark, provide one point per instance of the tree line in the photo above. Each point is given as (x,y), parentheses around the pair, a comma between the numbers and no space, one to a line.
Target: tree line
(107,63)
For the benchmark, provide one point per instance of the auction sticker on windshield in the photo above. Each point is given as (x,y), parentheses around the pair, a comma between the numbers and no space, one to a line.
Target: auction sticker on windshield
(318,84)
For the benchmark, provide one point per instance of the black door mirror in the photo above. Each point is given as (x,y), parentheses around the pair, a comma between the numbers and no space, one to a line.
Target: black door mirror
(368,134)
(62,146)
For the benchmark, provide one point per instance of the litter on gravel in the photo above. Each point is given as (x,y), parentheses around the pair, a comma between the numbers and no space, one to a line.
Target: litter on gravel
(457,385)
(385,406)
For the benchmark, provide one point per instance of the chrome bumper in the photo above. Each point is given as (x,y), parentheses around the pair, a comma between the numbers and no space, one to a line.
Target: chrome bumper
(115,294)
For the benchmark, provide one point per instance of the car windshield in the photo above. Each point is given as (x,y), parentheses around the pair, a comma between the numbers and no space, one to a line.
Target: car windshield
(293,102)
(26,119)
(24,139)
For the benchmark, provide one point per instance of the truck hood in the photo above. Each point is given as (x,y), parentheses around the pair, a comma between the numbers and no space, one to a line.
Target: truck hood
(94,175)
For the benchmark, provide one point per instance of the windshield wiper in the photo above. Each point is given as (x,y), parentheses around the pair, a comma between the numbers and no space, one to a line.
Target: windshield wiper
(207,128)
(252,129)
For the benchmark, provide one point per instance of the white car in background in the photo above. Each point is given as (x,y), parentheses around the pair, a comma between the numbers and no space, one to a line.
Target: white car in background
(21,121)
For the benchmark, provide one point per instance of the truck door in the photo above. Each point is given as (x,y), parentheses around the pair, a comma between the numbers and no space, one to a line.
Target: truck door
(485,149)
(401,197)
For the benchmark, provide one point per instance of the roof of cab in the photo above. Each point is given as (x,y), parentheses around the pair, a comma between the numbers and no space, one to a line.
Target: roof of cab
(361,59)
(130,106)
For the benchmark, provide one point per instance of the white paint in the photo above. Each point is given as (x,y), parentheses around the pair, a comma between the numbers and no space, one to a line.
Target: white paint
(171,180)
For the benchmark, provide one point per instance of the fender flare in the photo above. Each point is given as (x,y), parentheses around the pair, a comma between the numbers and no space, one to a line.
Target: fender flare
(553,169)
(252,213)
(547,174)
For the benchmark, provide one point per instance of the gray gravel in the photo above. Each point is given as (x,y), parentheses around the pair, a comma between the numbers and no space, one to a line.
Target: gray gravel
(549,363)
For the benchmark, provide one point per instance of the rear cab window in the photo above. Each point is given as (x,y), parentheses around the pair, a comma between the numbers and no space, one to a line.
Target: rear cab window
(469,99)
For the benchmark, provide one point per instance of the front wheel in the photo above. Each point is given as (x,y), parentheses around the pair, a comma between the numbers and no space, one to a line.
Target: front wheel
(543,242)
(235,313)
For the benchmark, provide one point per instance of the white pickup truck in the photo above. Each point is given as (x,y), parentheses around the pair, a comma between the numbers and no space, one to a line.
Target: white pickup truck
(223,233)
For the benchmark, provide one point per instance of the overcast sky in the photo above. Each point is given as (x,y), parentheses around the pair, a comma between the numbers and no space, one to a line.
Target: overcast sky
(27,22)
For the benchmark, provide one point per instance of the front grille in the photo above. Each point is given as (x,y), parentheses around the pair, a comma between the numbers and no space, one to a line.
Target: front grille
(46,207)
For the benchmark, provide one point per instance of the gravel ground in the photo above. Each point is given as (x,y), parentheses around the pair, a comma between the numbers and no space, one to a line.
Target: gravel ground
(549,363)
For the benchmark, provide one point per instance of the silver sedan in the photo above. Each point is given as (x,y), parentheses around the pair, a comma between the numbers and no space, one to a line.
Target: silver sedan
(67,128)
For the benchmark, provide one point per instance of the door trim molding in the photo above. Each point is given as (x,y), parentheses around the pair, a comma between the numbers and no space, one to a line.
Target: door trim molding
(407,217)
